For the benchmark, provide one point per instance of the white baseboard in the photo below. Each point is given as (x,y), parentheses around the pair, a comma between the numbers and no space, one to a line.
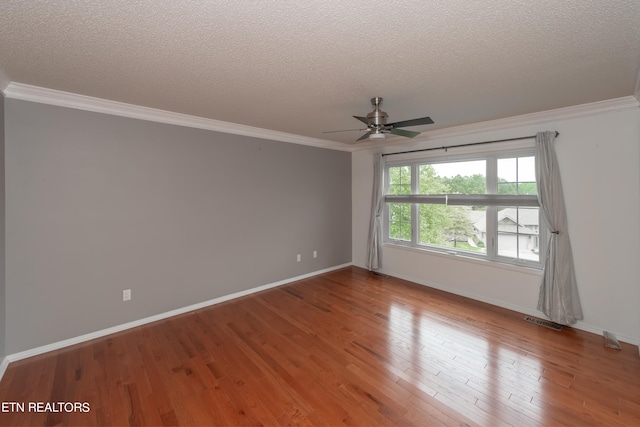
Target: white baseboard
(104,332)
(513,307)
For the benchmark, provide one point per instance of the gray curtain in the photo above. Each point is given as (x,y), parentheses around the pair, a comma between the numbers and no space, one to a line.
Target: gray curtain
(374,245)
(559,298)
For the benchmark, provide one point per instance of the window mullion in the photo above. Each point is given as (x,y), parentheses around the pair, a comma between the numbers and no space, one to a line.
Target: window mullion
(415,226)
(492,211)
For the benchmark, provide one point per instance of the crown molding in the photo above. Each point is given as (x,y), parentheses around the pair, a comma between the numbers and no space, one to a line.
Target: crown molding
(87,103)
(4,82)
(636,91)
(565,113)
(81,102)
(576,111)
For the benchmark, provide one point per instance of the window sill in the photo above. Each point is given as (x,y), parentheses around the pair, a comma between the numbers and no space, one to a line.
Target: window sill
(461,257)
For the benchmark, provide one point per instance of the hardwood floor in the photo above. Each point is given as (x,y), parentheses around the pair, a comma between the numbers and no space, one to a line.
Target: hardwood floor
(343,348)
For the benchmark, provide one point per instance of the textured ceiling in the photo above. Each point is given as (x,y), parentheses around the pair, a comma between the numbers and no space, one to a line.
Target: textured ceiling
(304,67)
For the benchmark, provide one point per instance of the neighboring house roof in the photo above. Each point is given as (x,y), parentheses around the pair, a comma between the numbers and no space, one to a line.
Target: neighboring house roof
(475,216)
(522,216)
(511,227)
(510,220)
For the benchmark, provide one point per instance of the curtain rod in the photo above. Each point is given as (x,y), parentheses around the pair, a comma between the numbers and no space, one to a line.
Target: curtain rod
(464,145)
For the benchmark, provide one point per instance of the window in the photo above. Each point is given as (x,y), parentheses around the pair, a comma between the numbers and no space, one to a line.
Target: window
(481,206)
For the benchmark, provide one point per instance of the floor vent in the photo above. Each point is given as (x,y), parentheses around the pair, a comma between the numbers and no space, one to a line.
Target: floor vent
(545,323)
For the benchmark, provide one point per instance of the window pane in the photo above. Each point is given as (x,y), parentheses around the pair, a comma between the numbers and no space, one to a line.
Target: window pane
(434,221)
(517,175)
(400,221)
(467,177)
(459,227)
(518,233)
(400,180)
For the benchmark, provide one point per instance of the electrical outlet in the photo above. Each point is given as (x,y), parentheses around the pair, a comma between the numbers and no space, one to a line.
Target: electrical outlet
(315,254)
(299,258)
(126,295)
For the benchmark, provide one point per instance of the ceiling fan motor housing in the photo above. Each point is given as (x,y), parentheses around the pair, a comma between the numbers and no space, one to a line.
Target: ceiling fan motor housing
(377,118)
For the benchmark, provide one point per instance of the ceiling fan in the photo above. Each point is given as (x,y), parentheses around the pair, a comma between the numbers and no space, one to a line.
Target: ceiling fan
(377,126)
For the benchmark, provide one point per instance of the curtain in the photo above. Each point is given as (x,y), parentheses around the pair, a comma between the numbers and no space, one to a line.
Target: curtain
(374,244)
(559,298)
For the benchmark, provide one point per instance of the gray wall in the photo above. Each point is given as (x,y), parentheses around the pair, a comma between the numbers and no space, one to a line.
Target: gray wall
(96,204)
(3,300)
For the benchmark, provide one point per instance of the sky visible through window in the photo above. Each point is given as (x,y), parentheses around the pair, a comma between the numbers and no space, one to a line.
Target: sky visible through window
(517,169)
(525,170)
(449,170)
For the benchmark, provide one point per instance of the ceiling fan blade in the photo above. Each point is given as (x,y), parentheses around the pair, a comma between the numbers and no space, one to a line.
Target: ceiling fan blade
(402,132)
(345,130)
(414,122)
(362,119)
(363,137)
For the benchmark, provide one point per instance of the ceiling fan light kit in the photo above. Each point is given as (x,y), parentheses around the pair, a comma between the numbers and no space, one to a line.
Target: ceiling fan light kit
(378,127)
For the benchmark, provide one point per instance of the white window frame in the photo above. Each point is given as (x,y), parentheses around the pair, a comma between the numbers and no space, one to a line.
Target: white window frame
(491,158)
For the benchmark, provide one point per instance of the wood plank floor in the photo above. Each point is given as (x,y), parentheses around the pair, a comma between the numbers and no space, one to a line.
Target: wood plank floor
(343,348)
